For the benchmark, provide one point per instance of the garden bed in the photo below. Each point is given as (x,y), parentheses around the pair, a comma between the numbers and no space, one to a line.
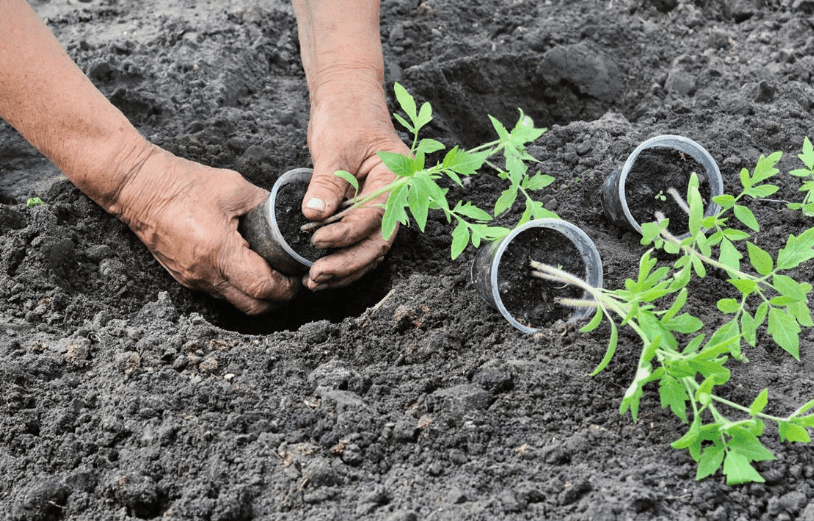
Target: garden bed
(126,396)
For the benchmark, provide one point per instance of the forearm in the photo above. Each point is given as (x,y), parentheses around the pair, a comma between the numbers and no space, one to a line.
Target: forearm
(339,42)
(48,99)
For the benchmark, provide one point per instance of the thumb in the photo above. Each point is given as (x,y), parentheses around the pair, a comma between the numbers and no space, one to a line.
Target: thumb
(325,193)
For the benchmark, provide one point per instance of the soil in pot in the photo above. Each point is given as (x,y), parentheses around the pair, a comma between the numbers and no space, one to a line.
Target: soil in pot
(530,300)
(654,172)
(290,219)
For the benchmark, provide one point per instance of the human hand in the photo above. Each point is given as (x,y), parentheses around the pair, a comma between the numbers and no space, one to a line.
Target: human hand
(187,215)
(349,123)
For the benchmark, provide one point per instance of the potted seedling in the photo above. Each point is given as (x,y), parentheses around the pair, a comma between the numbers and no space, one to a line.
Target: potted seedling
(689,365)
(649,182)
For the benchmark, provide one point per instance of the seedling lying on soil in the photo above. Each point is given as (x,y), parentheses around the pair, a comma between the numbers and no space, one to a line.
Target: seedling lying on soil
(688,366)
(416,187)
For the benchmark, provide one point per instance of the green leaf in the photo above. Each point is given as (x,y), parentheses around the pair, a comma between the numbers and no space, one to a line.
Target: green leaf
(726,201)
(761,261)
(738,470)
(792,432)
(609,352)
(350,178)
(746,181)
(424,115)
(428,146)
(524,131)
(745,286)
(730,256)
(537,182)
(674,395)
(748,329)
(745,215)
(802,313)
(404,123)
(678,304)
(746,444)
(684,323)
(689,437)
(797,250)
(394,212)
(696,206)
(406,101)
(502,133)
(785,331)
(419,200)
(728,305)
(761,191)
(760,402)
(471,211)
(807,157)
(463,162)
(506,200)
(595,321)
(460,239)
(710,462)
(399,164)
(735,235)
(789,287)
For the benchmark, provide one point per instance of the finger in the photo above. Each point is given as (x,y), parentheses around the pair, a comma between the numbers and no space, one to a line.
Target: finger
(341,282)
(350,260)
(361,223)
(324,195)
(245,303)
(252,276)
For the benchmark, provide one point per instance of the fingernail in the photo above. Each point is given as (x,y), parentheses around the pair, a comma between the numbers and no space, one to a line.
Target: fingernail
(316,204)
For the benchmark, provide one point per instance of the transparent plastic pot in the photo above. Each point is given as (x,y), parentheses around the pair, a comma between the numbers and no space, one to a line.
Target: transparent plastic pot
(614,202)
(261,230)
(486,266)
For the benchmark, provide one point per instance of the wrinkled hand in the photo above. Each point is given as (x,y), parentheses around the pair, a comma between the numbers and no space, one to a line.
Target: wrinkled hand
(349,124)
(187,215)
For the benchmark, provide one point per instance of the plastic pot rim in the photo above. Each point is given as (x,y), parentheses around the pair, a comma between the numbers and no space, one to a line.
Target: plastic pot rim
(682,144)
(586,247)
(295,174)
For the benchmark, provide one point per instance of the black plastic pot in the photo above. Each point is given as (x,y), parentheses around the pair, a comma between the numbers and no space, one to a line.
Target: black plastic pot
(487,265)
(262,231)
(614,200)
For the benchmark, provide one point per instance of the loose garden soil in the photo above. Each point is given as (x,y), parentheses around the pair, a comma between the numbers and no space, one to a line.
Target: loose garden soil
(290,219)
(402,397)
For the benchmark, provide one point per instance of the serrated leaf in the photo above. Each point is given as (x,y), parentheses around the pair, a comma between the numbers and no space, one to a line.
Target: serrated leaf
(785,331)
(404,123)
(729,255)
(728,305)
(788,287)
(725,201)
(760,402)
(394,212)
(502,133)
(525,131)
(798,249)
(738,470)
(745,215)
(399,164)
(506,200)
(537,182)
(463,162)
(760,260)
(761,191)
(807,157)
(802,313)
(471,211)
(765,167)
(406,101)
(792,432)
(673,395)
(748,328)
(428,146)
(710,461)
(748,445)
(460,239)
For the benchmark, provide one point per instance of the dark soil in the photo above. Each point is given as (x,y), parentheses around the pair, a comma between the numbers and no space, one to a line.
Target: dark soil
(532,301)
(288,212)
(649,180)
(126,396)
